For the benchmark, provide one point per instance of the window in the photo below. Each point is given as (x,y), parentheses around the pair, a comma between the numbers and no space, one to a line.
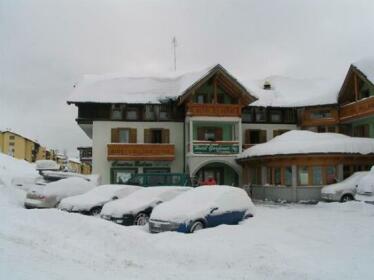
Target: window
(331,174)
(303,175)
(361,131)
(200,98)
(260,115)
(157,135)
(11,143)
(288,176)
(317,176)
(255,136)
(164,113)
(156,170)
(364,93)
(276,116)
(131,113)
(277,176)
(150,112)
(289,116)
(124,135)
(12,137)
(278,132)
(116,112)
(209,133)
(247,115)
(321,114)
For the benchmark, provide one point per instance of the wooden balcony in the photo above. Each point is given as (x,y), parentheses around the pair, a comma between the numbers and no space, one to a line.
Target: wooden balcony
(359,109)
(308,120)
(214,110)
(153,152)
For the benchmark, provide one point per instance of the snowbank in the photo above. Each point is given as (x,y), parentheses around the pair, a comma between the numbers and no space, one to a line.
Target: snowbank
(15,169)
(141,199)
(198,203)
(291,92)
(96,197)
(306,142)
(67,187)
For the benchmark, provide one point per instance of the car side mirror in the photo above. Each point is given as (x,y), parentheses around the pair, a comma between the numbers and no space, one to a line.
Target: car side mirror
(213,209)
(114,197)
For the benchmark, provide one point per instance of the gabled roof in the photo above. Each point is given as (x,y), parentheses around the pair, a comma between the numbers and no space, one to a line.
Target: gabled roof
(119,88)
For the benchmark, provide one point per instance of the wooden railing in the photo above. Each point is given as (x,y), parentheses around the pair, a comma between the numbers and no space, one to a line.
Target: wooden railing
(216,110)
(308,120)
(156,152)
(357,109)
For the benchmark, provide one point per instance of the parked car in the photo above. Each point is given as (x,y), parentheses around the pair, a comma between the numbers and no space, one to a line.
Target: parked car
(365,188)
(51,194)
(91,202)
(136,208)
(46,164)
(52,176)
(344,190)
(202,207)
(159,179)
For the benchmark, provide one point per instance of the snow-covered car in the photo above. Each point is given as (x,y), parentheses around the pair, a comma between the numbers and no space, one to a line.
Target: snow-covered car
(344,190)
(202,207)
(52,176)
(51,194)
(365,188)
(91,202)
(136,208)
(46,164)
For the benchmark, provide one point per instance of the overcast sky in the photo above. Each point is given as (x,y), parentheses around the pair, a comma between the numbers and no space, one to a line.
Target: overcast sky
(46,46)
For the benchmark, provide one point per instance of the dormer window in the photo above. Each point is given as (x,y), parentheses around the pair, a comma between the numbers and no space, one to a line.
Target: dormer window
(267,85)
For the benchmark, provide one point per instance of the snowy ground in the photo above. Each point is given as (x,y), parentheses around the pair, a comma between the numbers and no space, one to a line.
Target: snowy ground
(324,241)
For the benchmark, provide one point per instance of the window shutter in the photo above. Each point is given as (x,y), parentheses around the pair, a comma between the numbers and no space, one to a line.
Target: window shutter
(147,136)
(218,133)
(115,135)
(262,136)
(132,136)
(200,133)
(165,136)
(247,139)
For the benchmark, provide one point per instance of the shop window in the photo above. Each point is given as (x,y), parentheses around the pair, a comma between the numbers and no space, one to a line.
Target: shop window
(209,133)
(255,136)
(277,176)
(317,176)
(331,175)
(256,175)
(260,115)
(156,170)
(276,116)
(303,175)
(288,176)
(269,175)
(361,130)
(122,175)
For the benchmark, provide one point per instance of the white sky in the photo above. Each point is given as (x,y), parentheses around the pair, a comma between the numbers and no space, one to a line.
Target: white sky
(46,46)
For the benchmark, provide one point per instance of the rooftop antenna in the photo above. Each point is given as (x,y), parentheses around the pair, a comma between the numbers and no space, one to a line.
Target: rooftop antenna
(174,44)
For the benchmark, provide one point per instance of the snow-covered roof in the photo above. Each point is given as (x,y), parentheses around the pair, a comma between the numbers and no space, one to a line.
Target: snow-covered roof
(307,142)
(75,160)
(366,66)
(292,92)
(121,88)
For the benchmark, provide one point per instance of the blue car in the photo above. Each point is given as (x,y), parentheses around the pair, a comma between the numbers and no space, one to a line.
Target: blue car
(202,207)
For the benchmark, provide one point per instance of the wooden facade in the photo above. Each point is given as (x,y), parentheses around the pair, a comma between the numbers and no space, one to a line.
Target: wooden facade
(214,110)
(319,116)
(153,152)
(358,109)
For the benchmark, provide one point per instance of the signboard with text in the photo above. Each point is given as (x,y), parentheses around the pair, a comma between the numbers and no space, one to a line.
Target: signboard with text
(215,149)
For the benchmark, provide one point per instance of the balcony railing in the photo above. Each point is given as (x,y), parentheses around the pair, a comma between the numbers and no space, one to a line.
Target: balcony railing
(357,109)
(154,152)
(215,147)
(308,119)
(215,110)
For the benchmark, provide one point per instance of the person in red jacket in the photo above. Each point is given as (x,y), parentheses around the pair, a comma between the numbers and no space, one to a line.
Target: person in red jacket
(210,181)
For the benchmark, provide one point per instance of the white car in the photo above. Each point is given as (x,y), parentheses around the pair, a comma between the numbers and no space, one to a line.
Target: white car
(91,202)
(344,190)
(51,194)
(365,188)
(136,208)
(202,207)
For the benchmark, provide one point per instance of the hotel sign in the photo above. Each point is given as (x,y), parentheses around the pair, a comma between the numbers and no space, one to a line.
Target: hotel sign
(215,149)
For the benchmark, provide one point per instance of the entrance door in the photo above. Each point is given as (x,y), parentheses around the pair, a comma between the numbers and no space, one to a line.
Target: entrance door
(209,172)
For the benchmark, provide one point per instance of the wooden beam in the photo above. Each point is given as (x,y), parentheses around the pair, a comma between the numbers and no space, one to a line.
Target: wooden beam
(215,90)
(355,86)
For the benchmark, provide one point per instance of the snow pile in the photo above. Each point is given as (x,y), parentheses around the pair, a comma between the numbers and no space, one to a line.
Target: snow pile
(348,184)
(198,203)
(67,187)
(323,241)
(12,169)
(307,142)
(96,197)
(291,92)
(119,88)
(141,199)
(366,66)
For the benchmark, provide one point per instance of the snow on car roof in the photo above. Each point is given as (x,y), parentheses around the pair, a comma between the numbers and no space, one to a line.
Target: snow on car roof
(67,187)
(292,92)
(122,88)
(306,142)
(198,202)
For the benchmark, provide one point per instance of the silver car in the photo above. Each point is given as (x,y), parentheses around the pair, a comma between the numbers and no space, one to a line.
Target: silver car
(344,190)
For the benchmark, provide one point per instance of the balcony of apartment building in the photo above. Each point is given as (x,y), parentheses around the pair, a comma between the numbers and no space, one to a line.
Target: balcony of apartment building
(214,137)
(155,147)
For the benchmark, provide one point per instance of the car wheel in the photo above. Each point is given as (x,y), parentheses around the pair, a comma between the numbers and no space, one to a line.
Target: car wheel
(95,211)
(346,197)
(141,219)
(196,226)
